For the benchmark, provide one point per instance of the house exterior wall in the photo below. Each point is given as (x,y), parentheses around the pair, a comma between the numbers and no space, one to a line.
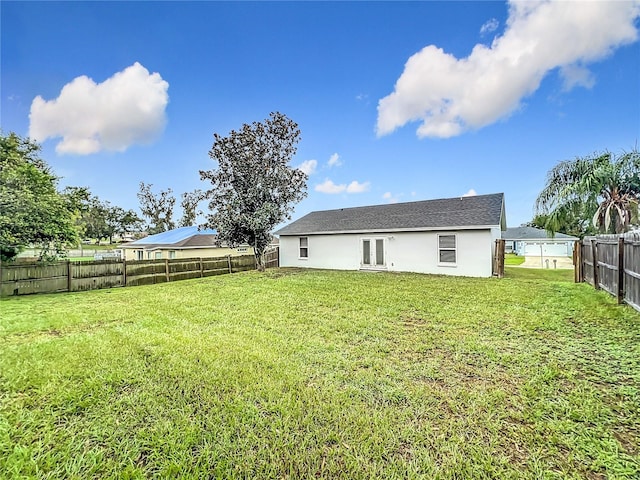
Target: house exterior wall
(403,252)
(131,253)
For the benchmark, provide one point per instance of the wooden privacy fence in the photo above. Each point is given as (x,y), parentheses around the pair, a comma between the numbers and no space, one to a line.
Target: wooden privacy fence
(272,257)
(76,276)
(611,263)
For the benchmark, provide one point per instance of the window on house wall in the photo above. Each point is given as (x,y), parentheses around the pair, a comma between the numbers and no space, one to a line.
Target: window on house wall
(148,255)
(172,254)
(373,252)
(158,255)
(139,255)
(304,247)
(447,253)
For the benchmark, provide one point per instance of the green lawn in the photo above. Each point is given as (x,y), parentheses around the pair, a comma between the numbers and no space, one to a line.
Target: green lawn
(513,259)
(322,374)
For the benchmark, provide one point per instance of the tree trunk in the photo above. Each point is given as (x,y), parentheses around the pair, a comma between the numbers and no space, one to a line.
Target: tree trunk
(257,254)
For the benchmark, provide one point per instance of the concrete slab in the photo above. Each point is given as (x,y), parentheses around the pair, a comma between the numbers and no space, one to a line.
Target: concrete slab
(547,262)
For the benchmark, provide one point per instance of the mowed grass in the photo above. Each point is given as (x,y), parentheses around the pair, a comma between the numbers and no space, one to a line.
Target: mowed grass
(322,374)
(513,259)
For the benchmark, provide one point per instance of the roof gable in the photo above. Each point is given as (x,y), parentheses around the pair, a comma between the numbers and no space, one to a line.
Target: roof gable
(459,212)
(533,233)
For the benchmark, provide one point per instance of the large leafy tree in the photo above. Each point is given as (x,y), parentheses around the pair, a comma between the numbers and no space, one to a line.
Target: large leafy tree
(157,208)
(32,210)
(602,190)
(189,204)
(254,188)
(125,221)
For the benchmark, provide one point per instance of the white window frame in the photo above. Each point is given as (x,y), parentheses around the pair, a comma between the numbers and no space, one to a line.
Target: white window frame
(139,254)
(305,246)
(172,254)
(454,250)
(157,255)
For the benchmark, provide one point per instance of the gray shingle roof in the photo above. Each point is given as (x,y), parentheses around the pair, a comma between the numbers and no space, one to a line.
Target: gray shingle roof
(532,233)
(466,212)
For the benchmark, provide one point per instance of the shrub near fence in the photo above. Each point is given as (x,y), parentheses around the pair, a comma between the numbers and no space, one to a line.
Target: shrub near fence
(76,276)
(611,263)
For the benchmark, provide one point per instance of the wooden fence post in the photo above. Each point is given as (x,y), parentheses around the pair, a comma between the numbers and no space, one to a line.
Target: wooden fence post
(594,251)
(166,268)
(577,262)
(201,268)
(124,272)
(229,263)
(68,275)
(498,260)
(620,270)
(500,252)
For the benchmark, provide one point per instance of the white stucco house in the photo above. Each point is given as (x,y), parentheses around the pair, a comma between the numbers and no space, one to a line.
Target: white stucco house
(450,236)
(536,242)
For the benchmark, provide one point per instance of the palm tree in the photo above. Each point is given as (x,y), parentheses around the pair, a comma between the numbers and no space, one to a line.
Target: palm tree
(601,189)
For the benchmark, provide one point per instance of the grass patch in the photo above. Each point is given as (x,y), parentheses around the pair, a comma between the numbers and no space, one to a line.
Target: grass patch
(513,259)
(543,274)
(95,246)
(298,374)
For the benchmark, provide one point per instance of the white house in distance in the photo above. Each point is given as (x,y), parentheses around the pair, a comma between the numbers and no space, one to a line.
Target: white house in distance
(183,242)
(536,242)
(450,236)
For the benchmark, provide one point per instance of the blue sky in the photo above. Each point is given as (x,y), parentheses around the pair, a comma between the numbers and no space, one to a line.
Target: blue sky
(396,101)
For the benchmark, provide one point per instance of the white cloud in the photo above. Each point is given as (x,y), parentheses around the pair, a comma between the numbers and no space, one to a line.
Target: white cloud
(308,166)
(355,187)
(490,26)
(331,188)
(450,95)
(126,109)
(576,75)
(390,198)
(334,160)
(470,193)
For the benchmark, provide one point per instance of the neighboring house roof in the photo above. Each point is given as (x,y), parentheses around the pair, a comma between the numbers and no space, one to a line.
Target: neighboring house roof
(459,212)
(179,238)
(533,233)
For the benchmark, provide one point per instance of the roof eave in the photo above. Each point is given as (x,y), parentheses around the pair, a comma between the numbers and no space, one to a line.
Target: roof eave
(388,230)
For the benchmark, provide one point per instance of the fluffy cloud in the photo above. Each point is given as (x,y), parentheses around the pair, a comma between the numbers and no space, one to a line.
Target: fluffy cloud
(450,95)
(126,109)
(331,188)
(334,160)
(308,166)
(390,198)
(470,193)
(356,187)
